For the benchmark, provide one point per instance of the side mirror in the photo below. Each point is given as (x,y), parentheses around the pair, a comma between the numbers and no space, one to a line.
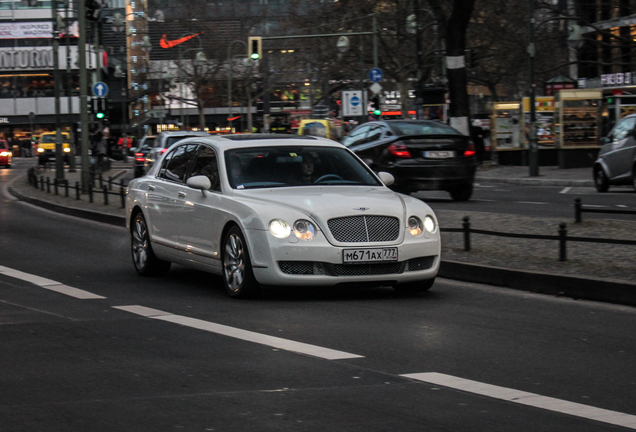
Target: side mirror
(200,182)
(387,178)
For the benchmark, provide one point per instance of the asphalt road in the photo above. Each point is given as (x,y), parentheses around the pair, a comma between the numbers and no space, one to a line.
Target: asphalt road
(87,345)
(543,201)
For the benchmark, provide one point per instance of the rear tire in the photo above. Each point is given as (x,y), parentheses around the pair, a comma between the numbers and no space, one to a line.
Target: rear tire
(461,193)
(413,287)
(238,277)
(600,179)
(145,261)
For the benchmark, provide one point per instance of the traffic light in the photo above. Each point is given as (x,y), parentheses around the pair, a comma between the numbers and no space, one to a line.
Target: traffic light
(375,106)
(254,50)
(100,108)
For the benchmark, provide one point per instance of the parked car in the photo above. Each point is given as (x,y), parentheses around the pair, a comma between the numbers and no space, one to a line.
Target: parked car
(616,161)
(46,147)
(5,154)
(421,155)
(163,140)
(141,154)
(260,209)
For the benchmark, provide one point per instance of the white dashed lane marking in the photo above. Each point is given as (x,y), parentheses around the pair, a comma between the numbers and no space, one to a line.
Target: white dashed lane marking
(49,284)
(276,342)
(529,399)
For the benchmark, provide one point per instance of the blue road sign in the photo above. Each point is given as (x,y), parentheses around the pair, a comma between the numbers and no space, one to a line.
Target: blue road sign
(100,89)
(376,75)
(355,101)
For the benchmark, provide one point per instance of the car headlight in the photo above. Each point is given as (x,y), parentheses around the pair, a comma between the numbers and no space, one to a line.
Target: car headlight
(415,225)
(4,153)
(40,150)
(430,224)
(304,229)
(279,228)
(67,150)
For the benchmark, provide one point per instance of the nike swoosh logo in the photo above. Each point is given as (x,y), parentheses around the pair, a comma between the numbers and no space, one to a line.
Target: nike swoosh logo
(165,43)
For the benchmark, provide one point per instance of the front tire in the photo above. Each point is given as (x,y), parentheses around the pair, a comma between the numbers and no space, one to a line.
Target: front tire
(238,277)
(414,287)
(145,261)
(600,180)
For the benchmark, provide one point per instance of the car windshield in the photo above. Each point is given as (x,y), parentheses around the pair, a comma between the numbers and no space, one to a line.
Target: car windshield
(424,128)
(287,166)
(48,139)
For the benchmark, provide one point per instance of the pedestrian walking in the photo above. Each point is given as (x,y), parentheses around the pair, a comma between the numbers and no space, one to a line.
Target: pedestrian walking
(26,146)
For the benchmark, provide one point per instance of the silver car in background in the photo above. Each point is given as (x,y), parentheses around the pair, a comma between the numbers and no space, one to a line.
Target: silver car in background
(616,162)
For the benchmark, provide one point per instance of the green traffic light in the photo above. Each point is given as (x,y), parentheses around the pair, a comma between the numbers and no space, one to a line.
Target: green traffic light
(99,115)
(255,56)
(377,112)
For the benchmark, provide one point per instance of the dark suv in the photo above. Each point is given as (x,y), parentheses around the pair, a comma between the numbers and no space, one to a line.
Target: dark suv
(421,155)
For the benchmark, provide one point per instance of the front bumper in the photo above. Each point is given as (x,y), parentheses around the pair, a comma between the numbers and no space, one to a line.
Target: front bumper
(291,262)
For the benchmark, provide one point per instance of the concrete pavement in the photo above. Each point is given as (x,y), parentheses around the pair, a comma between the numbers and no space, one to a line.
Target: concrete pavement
(594,271)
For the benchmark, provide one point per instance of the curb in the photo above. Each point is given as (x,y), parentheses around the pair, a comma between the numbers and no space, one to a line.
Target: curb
(542,283)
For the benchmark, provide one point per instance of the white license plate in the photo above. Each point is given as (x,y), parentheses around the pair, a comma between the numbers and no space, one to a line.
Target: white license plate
(439,154)
(369,255)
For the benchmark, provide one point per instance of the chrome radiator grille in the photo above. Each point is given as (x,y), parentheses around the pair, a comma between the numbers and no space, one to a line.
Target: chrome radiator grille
(358,229)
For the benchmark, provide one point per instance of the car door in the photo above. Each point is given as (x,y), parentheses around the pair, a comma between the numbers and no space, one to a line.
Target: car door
(200,234)
(167,193)
(622,147)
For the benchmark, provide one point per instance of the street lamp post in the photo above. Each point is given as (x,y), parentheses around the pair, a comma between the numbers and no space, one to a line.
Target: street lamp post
(230,63)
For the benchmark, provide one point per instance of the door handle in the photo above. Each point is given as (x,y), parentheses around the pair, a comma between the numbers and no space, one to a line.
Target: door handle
(181,194)
(151,187)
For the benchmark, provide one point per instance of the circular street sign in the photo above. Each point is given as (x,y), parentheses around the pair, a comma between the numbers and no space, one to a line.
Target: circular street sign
(100,89)
(355,101)
(376,75)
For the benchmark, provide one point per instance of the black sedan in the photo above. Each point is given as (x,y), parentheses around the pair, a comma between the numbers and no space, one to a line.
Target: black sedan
(421,155)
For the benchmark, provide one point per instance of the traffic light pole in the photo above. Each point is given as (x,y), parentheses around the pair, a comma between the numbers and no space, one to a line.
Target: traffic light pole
(59,150)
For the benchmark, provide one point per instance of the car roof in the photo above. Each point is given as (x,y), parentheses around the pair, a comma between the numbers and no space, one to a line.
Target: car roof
(227,142)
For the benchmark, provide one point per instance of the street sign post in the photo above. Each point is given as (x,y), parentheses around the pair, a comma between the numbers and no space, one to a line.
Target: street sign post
(100,89)
(352,103)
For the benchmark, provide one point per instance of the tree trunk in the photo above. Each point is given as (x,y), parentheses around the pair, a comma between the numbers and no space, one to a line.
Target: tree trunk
(456,27)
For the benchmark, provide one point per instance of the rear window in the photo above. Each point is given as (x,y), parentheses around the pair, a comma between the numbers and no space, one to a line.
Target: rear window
(432,128)
(315,129)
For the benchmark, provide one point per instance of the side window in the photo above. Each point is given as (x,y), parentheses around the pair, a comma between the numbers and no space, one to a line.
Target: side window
(356,136)
(206,164)
(175,165)
(623,128)
(374,135)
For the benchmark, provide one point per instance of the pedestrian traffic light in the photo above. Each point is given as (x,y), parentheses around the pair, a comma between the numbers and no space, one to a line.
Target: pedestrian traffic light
(375,106)
(254,50)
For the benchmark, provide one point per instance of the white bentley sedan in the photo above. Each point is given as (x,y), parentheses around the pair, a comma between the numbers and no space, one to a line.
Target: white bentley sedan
(279,210)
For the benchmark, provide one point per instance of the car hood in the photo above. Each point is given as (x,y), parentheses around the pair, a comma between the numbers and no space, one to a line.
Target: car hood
(326,202)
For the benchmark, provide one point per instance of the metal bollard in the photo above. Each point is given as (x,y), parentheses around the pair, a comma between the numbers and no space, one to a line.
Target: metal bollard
(66,188)
(90,193)
(110,183)
(105,189)
(577,210)
(41,183)
(77,191)
(563,234)
(48,185)
(466,226)
(101,180)
(122,196)
(55,183)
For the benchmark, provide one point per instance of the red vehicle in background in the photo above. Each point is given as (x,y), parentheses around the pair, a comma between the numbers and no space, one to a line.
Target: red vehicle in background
(5,154)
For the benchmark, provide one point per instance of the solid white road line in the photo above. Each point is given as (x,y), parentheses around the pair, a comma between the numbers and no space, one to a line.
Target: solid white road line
(245,335)
(525,398)
(566,190)
(49,284)
(532,202)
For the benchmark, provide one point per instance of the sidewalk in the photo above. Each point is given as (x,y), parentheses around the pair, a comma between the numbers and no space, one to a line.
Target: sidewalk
(593,271)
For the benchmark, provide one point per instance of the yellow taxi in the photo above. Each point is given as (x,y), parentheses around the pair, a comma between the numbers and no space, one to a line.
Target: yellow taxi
(46,147)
